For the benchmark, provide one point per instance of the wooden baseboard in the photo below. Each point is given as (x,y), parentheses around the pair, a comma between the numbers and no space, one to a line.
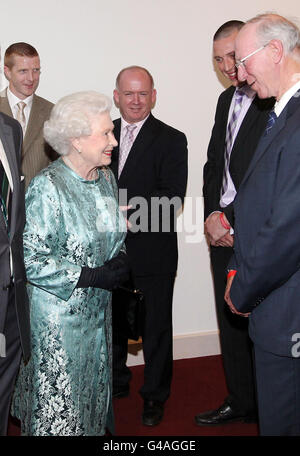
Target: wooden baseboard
(184,346)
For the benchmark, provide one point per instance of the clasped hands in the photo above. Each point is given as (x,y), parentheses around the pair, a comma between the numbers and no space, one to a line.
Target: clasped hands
(217,230)
(216,233)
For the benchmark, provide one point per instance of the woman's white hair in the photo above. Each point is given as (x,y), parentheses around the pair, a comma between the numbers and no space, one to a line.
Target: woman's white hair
(71,118)
(275,27)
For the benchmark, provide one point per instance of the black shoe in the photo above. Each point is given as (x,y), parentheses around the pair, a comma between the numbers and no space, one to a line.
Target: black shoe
(118,393)
(153,413)
(224,414)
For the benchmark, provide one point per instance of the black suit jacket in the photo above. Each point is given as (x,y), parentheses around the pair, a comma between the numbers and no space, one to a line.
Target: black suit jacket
(11,137)
(243,149)
(156,167)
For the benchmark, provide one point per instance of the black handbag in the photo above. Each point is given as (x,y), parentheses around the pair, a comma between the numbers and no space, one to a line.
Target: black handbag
(127,309)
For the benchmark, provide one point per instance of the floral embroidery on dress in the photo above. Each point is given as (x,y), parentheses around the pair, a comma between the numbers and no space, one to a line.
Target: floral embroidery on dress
(65,388)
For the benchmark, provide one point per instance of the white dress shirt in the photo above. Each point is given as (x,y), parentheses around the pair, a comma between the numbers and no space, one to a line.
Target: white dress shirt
(281,104)
(13,101)
(135,131)
(230,193)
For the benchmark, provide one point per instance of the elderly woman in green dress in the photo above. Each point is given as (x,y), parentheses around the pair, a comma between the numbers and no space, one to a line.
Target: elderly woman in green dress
(73,245)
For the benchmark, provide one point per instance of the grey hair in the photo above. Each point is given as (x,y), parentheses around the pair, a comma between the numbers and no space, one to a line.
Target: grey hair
(71,118)
(275,27)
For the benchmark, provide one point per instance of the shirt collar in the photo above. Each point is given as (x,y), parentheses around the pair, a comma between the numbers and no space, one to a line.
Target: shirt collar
(250,93)
(281,104)
(13,99)
(138,124)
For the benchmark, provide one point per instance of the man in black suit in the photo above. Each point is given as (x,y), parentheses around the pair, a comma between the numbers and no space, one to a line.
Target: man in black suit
(239,122)
(14,309)
(265,276)
(150,164)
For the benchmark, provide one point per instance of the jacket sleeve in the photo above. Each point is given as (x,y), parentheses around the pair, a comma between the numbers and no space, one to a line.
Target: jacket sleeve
(274,257)
(46,266)
(213,168)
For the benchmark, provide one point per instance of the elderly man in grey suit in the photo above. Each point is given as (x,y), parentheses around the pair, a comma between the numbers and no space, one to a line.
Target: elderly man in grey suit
(264,281)
(22,70)
(14,309)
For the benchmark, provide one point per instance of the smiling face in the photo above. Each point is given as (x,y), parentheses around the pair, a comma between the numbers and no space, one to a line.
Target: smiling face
(134,95)
(96,149)
(260,70)
(23,75)
(224,56)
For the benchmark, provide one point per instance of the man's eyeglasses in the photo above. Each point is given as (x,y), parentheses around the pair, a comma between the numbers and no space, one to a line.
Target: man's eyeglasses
(242,61)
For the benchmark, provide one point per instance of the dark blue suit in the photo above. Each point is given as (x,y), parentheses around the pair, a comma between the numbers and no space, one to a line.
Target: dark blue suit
(267,259)
(14,307)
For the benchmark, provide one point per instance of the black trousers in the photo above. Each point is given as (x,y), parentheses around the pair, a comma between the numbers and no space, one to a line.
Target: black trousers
(235,342)
(9,365)
(157,337)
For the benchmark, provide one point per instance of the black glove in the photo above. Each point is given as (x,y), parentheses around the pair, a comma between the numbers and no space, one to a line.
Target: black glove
(120,261)
(109,276)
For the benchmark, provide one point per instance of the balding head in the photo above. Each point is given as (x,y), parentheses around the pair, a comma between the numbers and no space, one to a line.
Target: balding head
(134,95)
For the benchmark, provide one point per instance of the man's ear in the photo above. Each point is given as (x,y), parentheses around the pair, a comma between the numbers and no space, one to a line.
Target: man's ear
(277,50)
(153,97)
(116,98)
(7,72)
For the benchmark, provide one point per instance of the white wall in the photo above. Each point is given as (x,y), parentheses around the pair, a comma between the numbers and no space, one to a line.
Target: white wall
(83,45)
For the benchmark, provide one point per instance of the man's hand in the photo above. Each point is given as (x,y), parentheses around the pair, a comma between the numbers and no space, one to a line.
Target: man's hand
(228,299)
(225,241)
(214,228)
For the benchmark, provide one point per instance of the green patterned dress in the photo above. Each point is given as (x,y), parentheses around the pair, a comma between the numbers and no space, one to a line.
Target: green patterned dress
(66,387)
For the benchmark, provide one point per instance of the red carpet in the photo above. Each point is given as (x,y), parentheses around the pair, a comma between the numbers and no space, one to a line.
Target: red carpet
(198,385)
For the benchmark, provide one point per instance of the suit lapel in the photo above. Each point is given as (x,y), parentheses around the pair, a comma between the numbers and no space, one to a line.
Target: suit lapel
(265,141)
(9,147)
(5,108)
(115,153)
(143,140)
(250,117)
(35,123)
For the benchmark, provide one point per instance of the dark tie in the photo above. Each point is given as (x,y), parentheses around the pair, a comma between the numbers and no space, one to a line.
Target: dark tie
(4,195)
(271,120)
(229,136)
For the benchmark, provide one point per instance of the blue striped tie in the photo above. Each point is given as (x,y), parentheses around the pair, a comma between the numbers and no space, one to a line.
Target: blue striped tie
(271,120)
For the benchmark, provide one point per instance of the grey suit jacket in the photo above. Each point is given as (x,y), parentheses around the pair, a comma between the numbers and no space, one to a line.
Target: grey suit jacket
(36,153)
(266,246)
(12,244)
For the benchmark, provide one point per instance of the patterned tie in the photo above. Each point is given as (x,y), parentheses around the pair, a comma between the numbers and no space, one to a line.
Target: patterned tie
(21,116)
(271,120)
(126,146)
(4,195)
(229,136)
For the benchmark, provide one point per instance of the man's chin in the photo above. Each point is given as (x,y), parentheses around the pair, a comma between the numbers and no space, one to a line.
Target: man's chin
(235,82)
